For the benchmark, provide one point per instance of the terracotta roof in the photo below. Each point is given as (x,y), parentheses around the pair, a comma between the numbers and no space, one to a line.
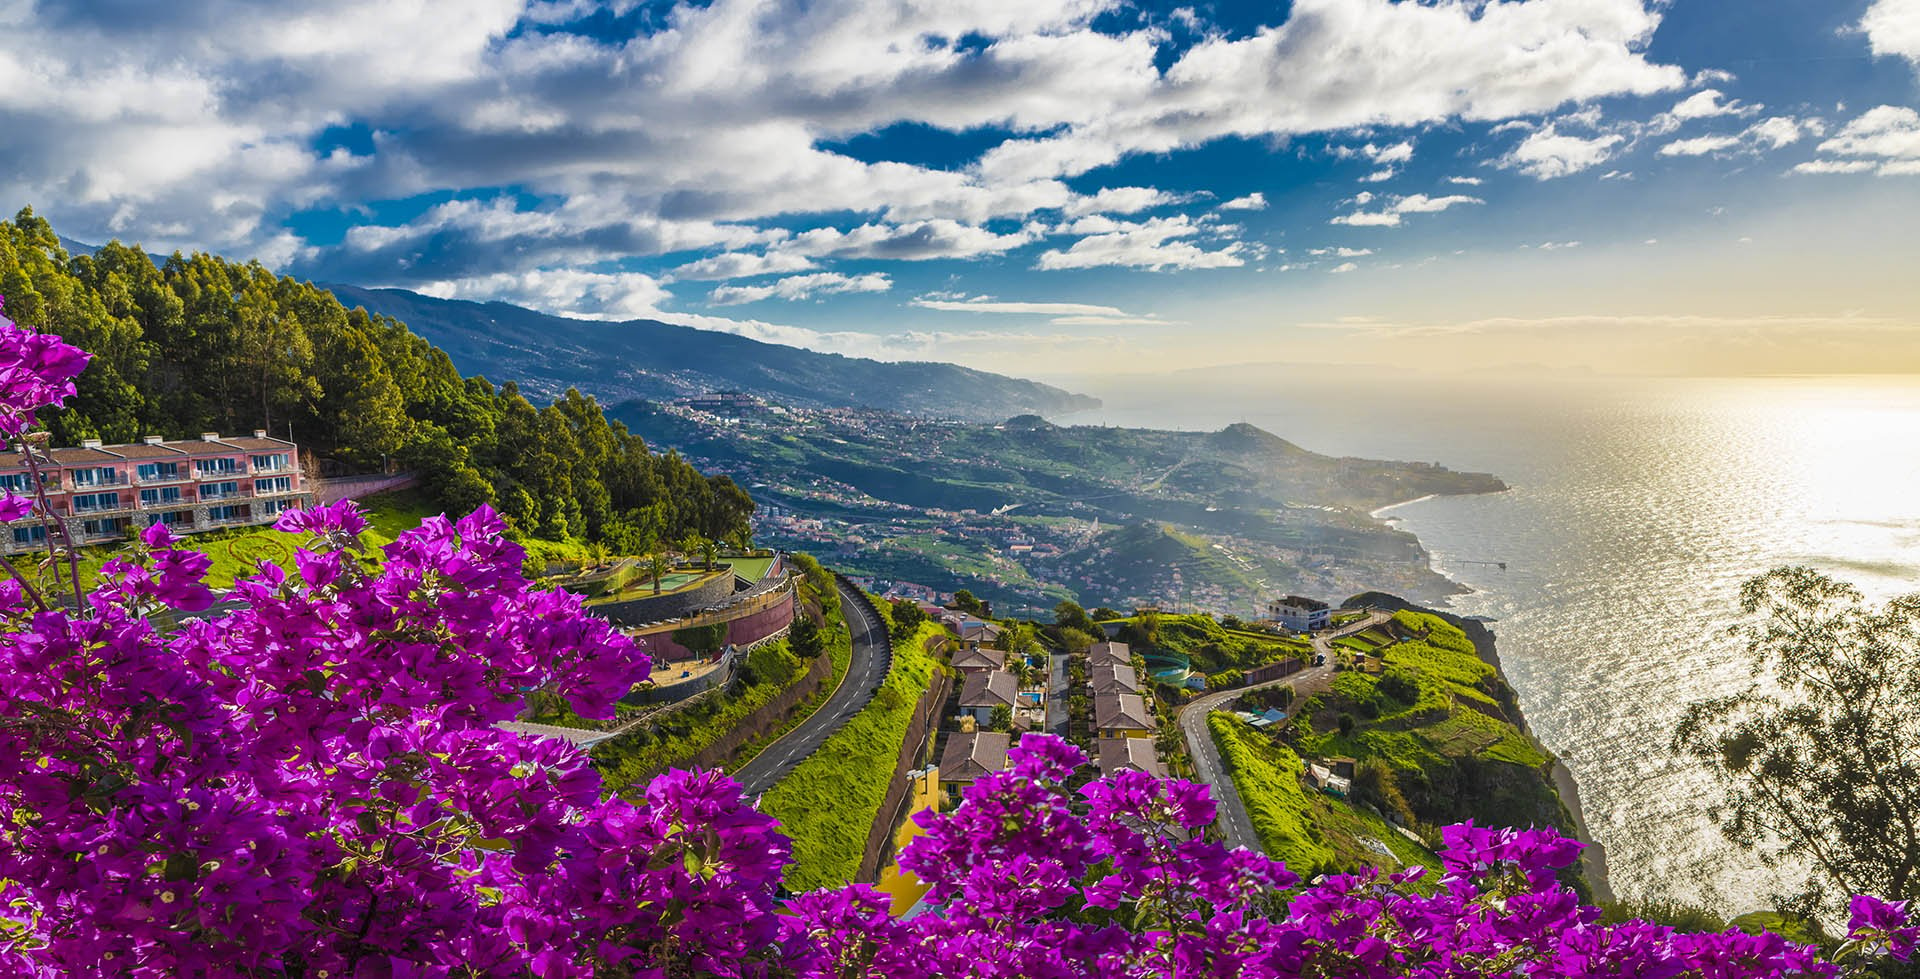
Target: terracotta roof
(1114,679)
(969,756)
(1113,711)
(994,688)
(1116,754)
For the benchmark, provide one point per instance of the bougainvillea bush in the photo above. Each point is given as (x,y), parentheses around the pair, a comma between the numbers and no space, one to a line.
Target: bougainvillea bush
(304,777)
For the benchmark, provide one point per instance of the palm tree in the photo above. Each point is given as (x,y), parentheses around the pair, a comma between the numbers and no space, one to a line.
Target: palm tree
(658,565)
(709,549)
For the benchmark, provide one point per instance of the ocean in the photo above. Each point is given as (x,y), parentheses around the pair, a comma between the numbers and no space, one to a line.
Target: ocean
(1637,509)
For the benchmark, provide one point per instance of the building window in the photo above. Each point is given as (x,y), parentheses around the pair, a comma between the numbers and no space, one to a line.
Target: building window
(215,467)
(160,497)
(16,482)
(177,518)
(228,512)
(219,491)
(151,471)
(278,484)
(104,476)
(30,535)
(100,528)
(96,501)
(272,463)
(272,507)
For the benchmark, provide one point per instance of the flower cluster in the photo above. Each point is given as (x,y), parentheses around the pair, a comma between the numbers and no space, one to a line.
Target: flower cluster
(306,777)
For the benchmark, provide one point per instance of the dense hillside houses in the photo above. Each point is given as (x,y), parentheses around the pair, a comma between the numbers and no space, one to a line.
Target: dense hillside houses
(103,493)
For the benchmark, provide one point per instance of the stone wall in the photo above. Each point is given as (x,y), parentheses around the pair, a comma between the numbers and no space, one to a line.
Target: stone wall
(765,609)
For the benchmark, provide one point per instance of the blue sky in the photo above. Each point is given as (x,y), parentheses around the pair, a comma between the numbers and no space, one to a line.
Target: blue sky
(1043,187)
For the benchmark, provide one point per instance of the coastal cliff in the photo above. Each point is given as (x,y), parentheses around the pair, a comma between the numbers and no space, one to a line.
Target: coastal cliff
(1520,794)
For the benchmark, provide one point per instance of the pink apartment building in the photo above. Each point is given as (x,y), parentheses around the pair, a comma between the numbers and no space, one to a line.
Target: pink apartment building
(107,492)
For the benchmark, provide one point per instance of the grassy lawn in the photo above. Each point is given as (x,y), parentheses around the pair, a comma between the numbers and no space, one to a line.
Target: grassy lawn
(750,568)
(1437,717)
(1211,648)
(829,803)
(1310,831)
(238,552)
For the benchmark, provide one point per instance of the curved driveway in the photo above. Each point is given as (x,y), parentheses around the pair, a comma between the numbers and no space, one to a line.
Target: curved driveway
(1236,827)
(872,655)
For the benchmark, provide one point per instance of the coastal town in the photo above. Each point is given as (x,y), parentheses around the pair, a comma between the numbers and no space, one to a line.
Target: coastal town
(949,504)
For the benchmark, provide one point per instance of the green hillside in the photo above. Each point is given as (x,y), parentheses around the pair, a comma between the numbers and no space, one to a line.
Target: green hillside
(1441,720)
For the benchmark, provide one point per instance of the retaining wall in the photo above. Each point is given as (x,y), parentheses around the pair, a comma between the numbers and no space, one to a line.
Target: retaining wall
(926,719)
(750,616)
(762,722)
(1273,671)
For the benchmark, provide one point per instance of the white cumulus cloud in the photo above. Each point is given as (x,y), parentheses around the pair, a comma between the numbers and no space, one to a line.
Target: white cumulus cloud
(1389,216)
(1158,243)
(1893,28)
(1547,153)
(1699,145)
(1884,139)
(795,287)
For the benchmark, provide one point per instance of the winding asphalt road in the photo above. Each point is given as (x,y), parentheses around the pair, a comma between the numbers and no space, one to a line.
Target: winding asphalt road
(1236,827)
(872,656)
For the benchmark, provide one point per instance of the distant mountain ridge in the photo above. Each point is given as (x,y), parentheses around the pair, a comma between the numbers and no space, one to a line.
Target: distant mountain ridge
(649,359)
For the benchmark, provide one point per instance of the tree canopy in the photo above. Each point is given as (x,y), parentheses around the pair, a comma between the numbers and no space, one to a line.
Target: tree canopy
(1820,755)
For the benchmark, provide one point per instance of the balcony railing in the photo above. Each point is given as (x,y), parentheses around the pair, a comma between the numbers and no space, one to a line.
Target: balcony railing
(160,478)
(80,487)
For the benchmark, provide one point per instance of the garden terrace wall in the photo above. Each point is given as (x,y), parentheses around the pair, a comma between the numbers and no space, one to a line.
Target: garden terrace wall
(751,616)
(1274,671)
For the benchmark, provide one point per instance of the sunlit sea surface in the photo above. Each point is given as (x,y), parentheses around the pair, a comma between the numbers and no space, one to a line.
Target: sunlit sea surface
(1637,509)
